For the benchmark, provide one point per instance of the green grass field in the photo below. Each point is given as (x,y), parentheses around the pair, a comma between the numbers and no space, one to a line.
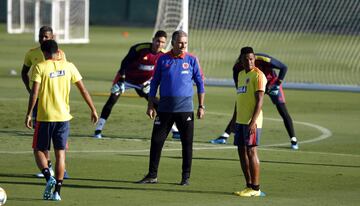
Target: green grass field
(325,171)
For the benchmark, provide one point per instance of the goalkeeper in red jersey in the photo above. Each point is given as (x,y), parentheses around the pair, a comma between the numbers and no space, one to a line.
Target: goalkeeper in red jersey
(136,71)
(268,65)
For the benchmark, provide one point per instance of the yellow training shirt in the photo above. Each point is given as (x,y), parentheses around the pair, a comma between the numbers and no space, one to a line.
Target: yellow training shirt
(249,83)
(35,55)
(55,78)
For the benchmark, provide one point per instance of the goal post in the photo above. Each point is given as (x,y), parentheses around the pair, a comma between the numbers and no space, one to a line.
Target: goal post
(20,16)
(68,18)
(172,16)
(317,39)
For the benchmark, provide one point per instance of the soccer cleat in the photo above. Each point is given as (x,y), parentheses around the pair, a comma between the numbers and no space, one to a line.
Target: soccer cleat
(185,182)
(48,188)
(148,180)
(248,192)
(55,196)
(41,175)
(238,192)
(219,140)
(294,144)
(97,134)
(176,135)
(66,175)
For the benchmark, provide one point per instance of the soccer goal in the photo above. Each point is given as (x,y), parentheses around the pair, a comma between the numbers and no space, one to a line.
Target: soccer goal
(318,39)
(20,16)
(68,18)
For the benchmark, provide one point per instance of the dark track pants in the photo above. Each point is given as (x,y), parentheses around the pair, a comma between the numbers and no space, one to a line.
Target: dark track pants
(162,126)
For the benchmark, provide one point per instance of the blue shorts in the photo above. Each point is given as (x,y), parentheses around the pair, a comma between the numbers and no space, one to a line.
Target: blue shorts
(58,132)
(244,138)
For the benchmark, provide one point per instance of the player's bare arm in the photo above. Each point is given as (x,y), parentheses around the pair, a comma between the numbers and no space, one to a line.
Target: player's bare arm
(32,101)
(259,96)
(25,78)
(85,94)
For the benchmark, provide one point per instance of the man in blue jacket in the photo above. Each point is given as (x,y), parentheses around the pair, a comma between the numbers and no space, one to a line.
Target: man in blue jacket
(175,72)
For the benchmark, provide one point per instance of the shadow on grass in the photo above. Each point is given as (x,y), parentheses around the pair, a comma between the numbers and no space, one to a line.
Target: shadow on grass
(22,199)
(134,186)
(262,161)
(26,133)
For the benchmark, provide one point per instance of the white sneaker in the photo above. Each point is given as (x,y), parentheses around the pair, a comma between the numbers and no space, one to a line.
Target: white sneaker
(55,196)
(97,134)
(40,175)
(294,145)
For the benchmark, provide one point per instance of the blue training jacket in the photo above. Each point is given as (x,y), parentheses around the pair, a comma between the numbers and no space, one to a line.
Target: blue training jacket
(175,75)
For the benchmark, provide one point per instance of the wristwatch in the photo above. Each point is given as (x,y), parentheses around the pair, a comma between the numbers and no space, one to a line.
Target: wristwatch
(201,106)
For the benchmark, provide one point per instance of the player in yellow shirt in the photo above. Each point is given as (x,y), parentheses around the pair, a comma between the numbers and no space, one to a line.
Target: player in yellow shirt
(35,55)
(51,84)
(32,57)
(250,93)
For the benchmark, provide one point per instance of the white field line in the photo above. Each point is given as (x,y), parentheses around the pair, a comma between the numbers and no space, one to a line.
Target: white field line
(325,133)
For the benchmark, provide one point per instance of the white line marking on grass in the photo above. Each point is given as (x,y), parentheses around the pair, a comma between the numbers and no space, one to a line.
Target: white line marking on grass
(326,133)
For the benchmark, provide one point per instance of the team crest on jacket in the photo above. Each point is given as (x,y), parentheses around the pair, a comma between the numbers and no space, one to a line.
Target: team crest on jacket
(185,65)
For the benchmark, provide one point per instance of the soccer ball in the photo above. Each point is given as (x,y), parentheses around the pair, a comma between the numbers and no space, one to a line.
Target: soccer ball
(2,196)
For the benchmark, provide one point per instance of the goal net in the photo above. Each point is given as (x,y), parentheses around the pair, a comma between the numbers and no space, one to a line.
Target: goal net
(68,18)
(20,16)
(318,39)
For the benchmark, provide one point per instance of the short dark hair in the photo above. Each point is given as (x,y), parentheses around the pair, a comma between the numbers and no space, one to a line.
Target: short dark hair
(160,33)
(246,50)
(44,29)
(49,46)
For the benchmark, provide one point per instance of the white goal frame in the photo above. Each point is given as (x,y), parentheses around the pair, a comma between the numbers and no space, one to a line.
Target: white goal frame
(60,20)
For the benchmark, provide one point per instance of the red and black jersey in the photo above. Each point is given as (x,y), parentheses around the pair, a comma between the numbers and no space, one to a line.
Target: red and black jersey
(138,64)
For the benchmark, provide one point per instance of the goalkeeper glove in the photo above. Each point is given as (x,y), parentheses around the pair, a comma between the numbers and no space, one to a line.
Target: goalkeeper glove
(274,90)
(118,88)
(146,87)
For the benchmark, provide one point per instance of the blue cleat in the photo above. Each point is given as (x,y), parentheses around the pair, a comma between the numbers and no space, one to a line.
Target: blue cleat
(219,140)
(176,135)
(55,196)
(48,188)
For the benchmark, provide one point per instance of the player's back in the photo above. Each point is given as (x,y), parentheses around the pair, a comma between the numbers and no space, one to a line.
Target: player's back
(55,78)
